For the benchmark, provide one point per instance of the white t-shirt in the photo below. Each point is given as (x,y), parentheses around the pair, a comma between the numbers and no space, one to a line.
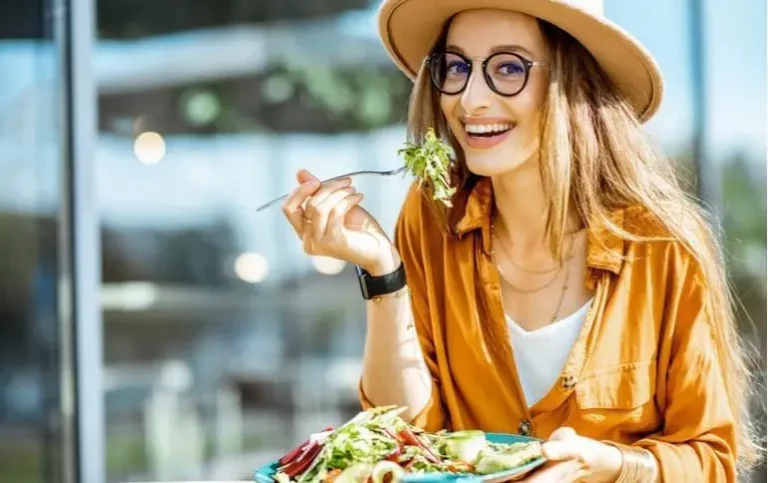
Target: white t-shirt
(541,354)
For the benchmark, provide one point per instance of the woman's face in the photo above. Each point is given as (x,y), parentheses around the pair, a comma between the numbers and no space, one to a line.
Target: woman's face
(504,130)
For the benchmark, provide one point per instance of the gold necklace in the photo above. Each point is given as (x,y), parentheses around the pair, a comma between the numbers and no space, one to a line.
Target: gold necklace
(563,291)
(516,288)
(565,286)
(513,262)
(520,267)
(513,286)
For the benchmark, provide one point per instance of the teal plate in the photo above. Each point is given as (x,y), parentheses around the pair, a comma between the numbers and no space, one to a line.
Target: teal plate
(265,473)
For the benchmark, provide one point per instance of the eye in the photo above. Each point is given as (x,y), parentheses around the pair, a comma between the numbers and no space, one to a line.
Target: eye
(457,67)
(511,68)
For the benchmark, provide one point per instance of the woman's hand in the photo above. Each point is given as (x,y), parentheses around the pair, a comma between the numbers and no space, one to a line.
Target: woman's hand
(575,458)
(331,223)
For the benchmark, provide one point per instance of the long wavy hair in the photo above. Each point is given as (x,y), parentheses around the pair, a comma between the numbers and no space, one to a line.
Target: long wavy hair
(595,158)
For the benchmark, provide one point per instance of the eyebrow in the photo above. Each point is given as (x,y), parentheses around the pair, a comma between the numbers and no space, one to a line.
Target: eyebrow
(496,49)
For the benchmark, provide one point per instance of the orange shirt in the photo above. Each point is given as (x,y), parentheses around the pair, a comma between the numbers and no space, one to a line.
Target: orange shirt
(643,370)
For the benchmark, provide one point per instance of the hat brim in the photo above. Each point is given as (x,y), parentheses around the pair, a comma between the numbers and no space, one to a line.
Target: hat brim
(409,28)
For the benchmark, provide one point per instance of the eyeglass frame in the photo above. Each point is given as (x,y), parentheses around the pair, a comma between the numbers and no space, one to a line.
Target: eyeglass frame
(528,64)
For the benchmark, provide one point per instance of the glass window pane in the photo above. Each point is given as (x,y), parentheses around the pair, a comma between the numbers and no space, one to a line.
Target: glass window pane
(224,342)
(30,163)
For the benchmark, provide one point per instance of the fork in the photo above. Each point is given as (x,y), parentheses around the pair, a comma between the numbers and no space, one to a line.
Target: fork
(390,172)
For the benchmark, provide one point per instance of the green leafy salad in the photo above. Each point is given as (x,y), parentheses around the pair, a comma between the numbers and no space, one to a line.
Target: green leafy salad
(377,446)
(431,162)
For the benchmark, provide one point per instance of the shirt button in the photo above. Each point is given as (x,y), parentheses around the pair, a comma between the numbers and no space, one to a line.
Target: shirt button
(525,427)
(569,381)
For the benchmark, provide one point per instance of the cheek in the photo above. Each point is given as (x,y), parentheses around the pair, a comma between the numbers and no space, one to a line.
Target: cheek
(528,108)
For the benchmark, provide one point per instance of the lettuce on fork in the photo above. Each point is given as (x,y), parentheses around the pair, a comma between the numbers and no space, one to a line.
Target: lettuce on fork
(431,162)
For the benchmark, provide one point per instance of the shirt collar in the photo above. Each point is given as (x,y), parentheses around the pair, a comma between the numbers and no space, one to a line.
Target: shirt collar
(605,249)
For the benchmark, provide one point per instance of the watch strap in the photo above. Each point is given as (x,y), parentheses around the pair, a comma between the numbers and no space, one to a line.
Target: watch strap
(371,286)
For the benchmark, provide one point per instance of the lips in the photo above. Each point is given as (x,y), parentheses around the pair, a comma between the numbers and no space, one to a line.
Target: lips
(487,129)
(486,133)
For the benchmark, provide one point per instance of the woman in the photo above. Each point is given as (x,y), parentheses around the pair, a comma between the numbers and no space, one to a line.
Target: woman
(572,292)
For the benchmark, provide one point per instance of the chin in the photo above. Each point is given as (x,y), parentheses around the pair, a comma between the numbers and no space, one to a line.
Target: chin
(491,164)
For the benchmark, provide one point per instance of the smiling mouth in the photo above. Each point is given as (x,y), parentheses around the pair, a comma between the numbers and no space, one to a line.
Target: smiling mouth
(487,130)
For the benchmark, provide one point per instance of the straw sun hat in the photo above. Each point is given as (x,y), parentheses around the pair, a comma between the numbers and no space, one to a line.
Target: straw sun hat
(409,28)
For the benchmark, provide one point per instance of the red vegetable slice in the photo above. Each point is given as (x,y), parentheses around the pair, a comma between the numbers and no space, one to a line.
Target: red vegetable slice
(395,454)
(293,454)
(302,463)
(296,458)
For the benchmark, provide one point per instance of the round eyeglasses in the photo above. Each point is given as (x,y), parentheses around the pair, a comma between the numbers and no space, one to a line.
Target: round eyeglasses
(506,73)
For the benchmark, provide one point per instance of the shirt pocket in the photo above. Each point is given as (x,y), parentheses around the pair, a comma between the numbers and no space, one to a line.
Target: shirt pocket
(618,403)
(627,386)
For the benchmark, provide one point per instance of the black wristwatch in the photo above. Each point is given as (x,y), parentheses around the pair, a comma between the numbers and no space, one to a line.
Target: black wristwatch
(372,287)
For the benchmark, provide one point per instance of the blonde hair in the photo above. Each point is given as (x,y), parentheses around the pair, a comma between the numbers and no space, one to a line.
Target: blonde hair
(596,159)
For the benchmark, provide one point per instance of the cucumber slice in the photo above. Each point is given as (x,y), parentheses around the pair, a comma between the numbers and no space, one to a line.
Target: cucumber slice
(494,463)
(465,445)
(383,468)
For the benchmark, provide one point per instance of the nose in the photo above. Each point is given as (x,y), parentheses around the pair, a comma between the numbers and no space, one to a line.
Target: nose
(477,95)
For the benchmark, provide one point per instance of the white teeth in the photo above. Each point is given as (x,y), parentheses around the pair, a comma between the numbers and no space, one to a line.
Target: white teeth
(486,128)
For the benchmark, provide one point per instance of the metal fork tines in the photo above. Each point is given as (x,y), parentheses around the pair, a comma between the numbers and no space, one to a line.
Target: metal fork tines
(391,172)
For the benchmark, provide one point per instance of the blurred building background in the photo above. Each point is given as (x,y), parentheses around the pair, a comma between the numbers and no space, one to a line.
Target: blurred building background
(223,344)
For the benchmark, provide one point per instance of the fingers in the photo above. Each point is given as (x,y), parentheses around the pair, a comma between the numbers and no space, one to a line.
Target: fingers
(292,207)
(564,444)
(323,193)
(303,176)
(562,433)
(333,223)
(339,213)
(561,450)
(320,212)
(321,202)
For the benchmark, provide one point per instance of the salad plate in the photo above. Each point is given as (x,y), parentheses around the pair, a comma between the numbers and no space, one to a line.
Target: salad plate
(377,446)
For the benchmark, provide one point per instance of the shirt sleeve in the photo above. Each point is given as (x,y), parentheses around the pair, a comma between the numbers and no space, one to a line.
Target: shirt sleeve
(410,241)
(698,440)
